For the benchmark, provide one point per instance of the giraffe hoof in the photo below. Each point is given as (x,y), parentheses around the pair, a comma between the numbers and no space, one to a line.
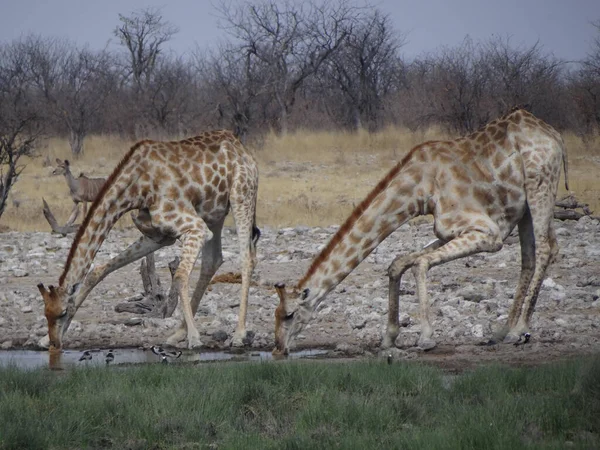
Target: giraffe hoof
(176,337)
(194,342)
(388,342)
(44,342)
(243,338)
(426,343)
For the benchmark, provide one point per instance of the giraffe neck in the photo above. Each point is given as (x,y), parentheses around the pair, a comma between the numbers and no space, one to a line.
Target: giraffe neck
(364,230)
(111,204)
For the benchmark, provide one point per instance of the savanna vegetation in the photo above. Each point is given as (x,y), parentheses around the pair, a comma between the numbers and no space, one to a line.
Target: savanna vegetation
(319,83)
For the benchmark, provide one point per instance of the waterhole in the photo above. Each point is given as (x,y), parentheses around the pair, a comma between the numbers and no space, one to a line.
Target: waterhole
(32,359)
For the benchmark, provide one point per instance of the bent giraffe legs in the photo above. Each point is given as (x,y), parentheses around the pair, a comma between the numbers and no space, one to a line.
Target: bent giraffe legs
(468,243)
(400,265)
(212,258)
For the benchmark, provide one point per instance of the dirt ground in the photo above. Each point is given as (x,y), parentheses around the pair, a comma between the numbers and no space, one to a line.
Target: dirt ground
(470,298)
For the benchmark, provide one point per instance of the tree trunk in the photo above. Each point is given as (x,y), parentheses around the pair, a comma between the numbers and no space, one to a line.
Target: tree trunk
(76,142)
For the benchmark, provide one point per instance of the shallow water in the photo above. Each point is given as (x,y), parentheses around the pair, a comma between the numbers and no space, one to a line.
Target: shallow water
(32,359)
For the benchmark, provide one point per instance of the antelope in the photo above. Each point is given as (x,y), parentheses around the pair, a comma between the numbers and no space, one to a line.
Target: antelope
(81,189)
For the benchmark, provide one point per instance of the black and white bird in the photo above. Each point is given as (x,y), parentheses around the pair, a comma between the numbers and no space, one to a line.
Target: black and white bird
(86,356)
(523,339)
(110,357)
(389,358)
(157,350)
(173,355)
(164,360)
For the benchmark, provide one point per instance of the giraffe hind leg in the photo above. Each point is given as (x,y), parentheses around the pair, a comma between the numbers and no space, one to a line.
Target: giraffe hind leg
(541,205)
(244,212)
(527,241)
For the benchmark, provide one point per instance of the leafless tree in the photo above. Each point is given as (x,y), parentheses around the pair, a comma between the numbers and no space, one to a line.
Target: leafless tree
(169,96)
(289,39)
(522,76)
(240,84)
(456,80)
(74,83)
(586,86)
(143,33)
(366,65)
(20,122)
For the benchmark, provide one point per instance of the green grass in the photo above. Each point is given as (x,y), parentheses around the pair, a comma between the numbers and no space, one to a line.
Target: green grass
(302,405)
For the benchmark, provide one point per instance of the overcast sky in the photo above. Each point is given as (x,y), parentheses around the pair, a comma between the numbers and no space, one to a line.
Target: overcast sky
(562,26)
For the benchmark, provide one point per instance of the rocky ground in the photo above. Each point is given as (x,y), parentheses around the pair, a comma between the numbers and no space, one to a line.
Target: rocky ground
(471,297)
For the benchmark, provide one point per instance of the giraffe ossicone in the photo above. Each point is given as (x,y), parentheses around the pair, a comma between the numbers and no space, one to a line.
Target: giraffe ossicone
(181,190)
(478,188)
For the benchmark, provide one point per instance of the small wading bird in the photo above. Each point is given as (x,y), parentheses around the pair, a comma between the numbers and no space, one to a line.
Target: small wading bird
(173,355)
(86,356)
(157,350)
(523,339)
(110,357)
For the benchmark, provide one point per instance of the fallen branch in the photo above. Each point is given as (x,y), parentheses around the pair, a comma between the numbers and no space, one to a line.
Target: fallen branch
(568,204)
(56,228)
(152,302)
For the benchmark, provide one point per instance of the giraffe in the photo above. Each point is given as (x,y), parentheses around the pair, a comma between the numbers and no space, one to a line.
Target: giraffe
(478,188)
(181,190)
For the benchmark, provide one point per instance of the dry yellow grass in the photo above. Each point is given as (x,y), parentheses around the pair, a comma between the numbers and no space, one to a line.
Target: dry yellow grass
(309,178)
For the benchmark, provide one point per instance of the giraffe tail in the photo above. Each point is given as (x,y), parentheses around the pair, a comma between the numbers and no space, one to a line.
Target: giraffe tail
(255,231)
(565,165)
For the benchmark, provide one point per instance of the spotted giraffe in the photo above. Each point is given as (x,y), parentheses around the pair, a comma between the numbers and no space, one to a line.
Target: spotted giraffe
(181,190)
(478,188)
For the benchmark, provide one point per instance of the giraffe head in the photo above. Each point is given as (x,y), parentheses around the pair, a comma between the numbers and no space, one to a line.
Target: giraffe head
(289,324)
(59,309)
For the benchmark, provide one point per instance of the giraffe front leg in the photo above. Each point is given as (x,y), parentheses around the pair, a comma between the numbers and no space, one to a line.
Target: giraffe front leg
(398,267)
(468,243)
(192,241)
(420,272)
(212,259)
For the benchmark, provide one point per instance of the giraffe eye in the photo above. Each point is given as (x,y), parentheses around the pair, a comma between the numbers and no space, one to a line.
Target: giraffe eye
(305,293)
(62,314)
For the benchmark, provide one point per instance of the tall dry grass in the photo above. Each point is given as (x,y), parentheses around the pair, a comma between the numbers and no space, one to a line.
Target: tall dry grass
(308,178)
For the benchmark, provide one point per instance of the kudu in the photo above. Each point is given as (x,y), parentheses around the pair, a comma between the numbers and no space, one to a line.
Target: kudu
(81,189)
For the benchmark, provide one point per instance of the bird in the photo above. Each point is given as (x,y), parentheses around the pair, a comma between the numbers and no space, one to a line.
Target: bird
(157,350)
(523,339)
(164,360)
(110,357)
(85,356)
(174,355)
(389,358)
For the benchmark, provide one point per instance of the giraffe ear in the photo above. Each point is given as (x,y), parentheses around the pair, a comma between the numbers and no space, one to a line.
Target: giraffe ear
(74,288)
